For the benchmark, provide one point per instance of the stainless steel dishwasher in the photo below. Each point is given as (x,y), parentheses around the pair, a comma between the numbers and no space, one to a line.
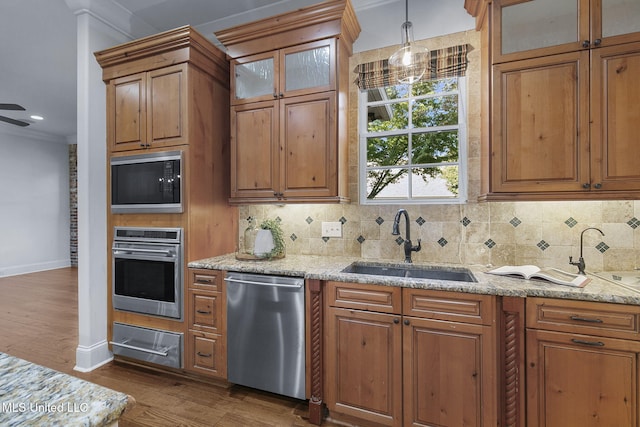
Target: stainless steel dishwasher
(266,333)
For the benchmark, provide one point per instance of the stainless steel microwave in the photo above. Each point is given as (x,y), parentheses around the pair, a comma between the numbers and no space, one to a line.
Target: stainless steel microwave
(147,183)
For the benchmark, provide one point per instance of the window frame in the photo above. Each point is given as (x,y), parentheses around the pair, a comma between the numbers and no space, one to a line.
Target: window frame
(462,163)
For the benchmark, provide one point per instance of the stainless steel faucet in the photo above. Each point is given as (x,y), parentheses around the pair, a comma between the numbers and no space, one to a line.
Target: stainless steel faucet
(408,247)
(580,264)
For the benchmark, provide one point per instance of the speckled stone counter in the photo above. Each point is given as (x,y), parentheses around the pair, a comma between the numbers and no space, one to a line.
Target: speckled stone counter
(330,268)
(33,395)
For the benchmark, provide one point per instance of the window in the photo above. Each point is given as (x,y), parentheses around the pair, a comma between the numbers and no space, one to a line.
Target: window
(413,143)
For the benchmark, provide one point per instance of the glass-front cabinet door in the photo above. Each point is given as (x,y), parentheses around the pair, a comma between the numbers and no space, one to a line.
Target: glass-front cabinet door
(534,28)
(254,78)
(308,68)
(299,70)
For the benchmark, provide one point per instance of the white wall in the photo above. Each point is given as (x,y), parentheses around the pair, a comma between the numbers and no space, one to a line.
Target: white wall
(34,202)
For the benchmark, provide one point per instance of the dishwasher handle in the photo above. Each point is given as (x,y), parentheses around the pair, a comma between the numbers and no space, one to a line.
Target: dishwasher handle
(275,285)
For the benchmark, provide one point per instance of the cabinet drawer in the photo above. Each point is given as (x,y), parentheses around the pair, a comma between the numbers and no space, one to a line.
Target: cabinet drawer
(451,306)
(383,299)
(207,311)
(614,320)
(208,280)
(207,354)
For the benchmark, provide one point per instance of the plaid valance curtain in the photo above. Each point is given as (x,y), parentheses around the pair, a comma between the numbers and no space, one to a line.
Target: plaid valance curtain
(447,62)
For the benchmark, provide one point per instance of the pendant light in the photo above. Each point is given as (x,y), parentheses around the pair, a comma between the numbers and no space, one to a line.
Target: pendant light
(409,62)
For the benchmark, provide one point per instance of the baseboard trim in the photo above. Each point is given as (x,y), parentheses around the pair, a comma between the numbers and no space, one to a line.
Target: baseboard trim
(34,268)
(92,357)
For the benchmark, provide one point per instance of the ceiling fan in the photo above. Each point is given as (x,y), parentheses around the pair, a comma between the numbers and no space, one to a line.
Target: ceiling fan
(13,107)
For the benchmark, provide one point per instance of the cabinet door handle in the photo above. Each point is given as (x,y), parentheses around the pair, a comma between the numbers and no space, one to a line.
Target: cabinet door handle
(406,322)
(598,186)
(586,185)
(203,354)
(396,320)
(597,42)
(275,95)
(203,312)
(586,43)
(585,319)
(591,343)
(281,95)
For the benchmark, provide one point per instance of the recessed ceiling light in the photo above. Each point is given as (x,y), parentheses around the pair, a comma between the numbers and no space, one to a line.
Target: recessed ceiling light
(34,117)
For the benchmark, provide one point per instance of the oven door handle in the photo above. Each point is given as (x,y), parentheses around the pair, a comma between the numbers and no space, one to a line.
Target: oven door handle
(141,251)
(145,350)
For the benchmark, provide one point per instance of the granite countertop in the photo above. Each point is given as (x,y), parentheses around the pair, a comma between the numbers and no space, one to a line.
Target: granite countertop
(329,268)
(33,395)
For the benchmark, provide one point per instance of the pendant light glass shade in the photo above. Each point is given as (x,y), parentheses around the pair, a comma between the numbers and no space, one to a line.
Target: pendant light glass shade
(408,63)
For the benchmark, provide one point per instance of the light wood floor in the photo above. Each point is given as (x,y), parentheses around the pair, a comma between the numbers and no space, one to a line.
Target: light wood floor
(39,323)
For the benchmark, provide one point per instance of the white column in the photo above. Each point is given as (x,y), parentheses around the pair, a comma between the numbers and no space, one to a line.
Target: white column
(95,32)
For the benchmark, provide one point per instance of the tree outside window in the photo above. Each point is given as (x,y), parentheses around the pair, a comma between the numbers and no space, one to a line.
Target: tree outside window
(412,143)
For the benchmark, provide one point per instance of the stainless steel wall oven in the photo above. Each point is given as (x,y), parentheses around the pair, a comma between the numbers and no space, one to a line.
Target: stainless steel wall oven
(147,271)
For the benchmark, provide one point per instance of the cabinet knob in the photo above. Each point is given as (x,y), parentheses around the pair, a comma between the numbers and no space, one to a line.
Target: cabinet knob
(406,321)
(586,185)
(281,95)
(275,95)
(597,42)
(598,186)
(396,320)
(586,43)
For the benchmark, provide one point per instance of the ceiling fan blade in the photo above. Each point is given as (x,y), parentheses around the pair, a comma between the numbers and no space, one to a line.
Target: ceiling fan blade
(13,121)
(14,107)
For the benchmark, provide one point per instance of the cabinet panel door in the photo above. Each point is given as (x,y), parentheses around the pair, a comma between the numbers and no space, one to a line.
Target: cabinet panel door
(167,106)
(254,150)
(448,372)
(541,124)
(308,145)
(127,113)
(615,92)
(364,365)
(581,380)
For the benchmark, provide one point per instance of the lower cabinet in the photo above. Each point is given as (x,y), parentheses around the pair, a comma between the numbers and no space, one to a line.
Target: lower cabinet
(582,364)
(206,348)
(410,357)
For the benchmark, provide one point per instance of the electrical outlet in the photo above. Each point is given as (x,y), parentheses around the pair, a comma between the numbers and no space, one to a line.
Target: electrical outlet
(331,229)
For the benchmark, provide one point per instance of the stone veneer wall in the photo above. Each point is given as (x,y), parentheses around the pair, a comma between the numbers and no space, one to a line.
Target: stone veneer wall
(541,233)
(73,203)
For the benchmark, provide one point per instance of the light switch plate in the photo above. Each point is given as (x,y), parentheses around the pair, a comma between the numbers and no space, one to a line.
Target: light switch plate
(331,229)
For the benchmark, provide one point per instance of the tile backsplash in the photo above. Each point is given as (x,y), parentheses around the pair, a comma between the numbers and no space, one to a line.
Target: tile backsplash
(499,233)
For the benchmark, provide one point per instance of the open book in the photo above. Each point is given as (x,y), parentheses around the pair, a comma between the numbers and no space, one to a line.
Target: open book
(551,274)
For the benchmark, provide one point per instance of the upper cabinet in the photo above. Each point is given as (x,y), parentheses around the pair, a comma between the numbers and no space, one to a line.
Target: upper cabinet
(148,109)
(289,93)
(561,108)
(157,89)
(527,29)
(297,70)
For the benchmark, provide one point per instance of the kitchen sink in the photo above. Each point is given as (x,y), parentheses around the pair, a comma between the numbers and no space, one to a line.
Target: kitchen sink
(412,271)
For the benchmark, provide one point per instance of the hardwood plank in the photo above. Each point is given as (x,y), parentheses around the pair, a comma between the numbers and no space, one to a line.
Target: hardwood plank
(39,318)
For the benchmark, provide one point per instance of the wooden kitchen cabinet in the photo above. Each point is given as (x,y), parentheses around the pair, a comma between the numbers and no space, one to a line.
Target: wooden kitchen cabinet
(364,352)
(148,109)
(289,88)
(206,349)
(286,148)
(561,99)
(582,363)
(535,28)
(427,360)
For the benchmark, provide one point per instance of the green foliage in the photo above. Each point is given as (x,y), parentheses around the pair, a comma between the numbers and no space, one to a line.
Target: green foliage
(427,148)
